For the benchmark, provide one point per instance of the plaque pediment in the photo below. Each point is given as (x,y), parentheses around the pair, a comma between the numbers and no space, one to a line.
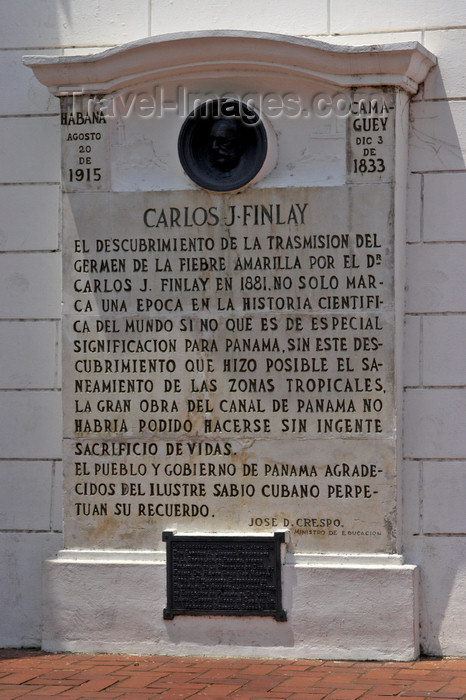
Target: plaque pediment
(213,53)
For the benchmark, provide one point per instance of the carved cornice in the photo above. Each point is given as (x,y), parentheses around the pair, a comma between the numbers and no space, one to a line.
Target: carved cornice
(213,54)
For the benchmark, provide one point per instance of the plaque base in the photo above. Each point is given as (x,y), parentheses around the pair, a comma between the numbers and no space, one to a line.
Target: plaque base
(338,607)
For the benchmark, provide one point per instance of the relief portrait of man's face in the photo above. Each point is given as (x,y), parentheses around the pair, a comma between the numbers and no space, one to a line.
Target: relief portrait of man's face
(226,144)
(222,145)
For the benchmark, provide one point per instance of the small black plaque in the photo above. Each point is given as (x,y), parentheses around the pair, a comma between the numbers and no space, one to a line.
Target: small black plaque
(223,575)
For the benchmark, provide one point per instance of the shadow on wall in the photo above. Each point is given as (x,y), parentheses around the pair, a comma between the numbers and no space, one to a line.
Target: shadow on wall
(433,510)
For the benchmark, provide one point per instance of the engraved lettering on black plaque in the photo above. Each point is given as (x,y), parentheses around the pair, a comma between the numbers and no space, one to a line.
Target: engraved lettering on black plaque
(223,575)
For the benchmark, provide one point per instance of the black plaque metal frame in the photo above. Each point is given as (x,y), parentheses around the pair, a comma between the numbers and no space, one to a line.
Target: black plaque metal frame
(271,547)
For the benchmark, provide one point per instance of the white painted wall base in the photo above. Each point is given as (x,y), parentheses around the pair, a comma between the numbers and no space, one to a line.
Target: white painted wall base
(339,607)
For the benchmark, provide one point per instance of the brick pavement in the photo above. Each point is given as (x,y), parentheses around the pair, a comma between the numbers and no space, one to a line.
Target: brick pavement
(33,674)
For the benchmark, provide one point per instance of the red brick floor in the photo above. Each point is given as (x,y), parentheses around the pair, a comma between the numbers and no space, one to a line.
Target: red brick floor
(33,674)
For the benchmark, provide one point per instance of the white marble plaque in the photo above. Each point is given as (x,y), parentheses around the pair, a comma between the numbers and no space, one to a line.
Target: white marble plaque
(85,163)
(228,366)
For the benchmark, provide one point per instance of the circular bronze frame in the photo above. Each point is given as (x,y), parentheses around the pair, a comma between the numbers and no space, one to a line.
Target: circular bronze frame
(196,152)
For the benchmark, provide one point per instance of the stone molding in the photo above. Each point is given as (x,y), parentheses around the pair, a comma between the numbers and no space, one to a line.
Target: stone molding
(209,53)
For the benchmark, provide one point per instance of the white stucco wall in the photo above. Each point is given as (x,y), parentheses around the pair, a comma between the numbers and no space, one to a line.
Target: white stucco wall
(433,478)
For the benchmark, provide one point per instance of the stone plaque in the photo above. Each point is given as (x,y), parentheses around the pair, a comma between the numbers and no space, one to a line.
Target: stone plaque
(229,346)
(215,575)
(228,365)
